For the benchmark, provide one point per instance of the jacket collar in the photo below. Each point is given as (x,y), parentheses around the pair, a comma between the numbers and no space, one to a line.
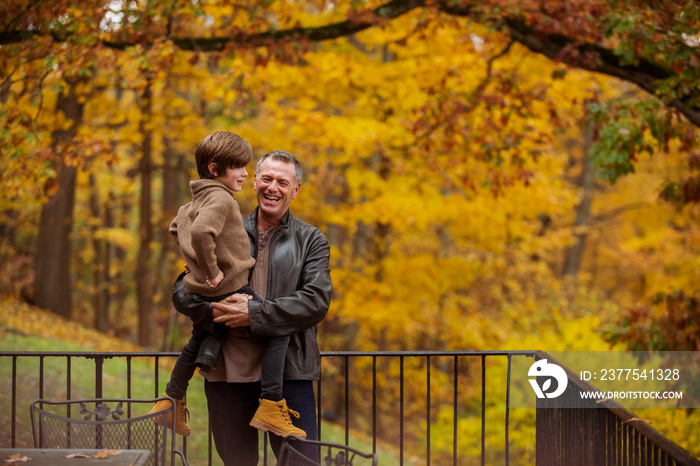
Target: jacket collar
(251,220)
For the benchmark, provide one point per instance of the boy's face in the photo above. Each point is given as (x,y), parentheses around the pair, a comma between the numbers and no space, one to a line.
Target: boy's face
(233,178)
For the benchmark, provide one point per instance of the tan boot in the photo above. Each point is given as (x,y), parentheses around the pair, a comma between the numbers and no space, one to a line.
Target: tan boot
(274,416)
(181,413)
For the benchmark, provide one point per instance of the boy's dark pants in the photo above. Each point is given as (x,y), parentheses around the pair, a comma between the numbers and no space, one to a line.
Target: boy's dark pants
(272,361)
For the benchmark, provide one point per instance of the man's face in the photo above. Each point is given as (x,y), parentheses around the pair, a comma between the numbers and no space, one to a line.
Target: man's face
(275,188)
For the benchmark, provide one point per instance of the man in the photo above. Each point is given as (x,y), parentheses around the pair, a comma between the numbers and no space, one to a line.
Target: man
(293,276)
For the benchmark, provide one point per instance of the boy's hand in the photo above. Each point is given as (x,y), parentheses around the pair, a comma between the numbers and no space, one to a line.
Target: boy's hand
(215,282)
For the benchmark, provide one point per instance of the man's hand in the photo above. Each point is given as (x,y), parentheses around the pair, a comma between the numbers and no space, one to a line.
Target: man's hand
(232,310)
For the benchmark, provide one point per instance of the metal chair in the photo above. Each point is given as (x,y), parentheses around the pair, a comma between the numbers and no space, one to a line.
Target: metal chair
(332,454)
(106,424)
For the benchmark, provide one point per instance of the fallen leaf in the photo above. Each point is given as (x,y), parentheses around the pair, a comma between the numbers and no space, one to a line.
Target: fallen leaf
(106,453)
(16,458)
(77,455)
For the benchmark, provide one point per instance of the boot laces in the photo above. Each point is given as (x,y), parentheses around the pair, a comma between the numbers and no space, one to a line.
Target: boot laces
(286,412)
(183,414)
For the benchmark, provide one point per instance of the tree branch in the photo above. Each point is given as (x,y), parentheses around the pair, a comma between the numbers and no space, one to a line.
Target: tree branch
(645,73)
(390,10)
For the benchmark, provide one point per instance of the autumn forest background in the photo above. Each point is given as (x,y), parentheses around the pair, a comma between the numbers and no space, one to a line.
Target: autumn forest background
(506,174)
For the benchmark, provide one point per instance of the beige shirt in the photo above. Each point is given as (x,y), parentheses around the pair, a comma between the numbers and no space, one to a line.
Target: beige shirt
(241,353)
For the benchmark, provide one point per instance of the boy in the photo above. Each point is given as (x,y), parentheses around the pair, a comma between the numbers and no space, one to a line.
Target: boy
(214,243)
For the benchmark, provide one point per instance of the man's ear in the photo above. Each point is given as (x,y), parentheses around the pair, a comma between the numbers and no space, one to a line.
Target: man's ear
(212,169)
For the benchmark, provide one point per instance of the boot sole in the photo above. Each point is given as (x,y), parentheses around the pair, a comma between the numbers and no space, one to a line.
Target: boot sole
(267,427)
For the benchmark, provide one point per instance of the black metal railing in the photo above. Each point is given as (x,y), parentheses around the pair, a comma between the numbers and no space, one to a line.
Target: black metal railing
(424,407)
(468,365)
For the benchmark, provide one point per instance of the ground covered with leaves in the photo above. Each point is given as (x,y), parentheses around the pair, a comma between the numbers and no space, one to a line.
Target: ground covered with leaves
(22,319)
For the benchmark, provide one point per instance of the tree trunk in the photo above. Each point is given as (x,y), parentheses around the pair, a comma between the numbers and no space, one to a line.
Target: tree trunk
(100,268)
(572,262)
(120,276)
(109,254)
(52,280)
(8,226)
(144,289)
(174,185)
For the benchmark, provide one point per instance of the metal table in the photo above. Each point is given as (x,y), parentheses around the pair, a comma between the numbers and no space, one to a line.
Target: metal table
(59,457)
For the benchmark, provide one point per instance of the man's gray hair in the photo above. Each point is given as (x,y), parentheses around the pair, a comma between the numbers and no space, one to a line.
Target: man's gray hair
(283,156)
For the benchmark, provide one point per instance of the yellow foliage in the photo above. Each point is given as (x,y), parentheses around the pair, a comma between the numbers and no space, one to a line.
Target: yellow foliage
(444,174)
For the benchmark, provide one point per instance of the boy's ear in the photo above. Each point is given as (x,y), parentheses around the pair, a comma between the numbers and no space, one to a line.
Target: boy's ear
(212,169)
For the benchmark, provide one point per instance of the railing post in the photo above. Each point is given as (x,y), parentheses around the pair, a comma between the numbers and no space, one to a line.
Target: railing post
(401,361)
(427,409)
(14,400)
(455,410)
(483,409)
(128,376)
(99,362)
(319,417)
(155,377)
(69,378)
(347,401)
(507,426)
(374,404)
(41,377)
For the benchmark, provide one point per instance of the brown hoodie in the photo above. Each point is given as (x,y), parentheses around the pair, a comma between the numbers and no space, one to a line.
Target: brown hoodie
(210,233)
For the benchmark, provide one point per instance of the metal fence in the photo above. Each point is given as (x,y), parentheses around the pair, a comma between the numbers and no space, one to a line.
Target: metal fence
(412,408)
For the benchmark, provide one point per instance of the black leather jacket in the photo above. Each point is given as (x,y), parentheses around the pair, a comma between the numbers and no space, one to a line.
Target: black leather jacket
(298,296)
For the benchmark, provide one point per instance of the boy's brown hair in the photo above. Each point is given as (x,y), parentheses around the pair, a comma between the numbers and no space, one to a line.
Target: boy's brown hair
(225,149)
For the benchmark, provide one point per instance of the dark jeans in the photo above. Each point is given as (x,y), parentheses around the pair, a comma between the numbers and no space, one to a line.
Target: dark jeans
(272,359)
(232,406)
